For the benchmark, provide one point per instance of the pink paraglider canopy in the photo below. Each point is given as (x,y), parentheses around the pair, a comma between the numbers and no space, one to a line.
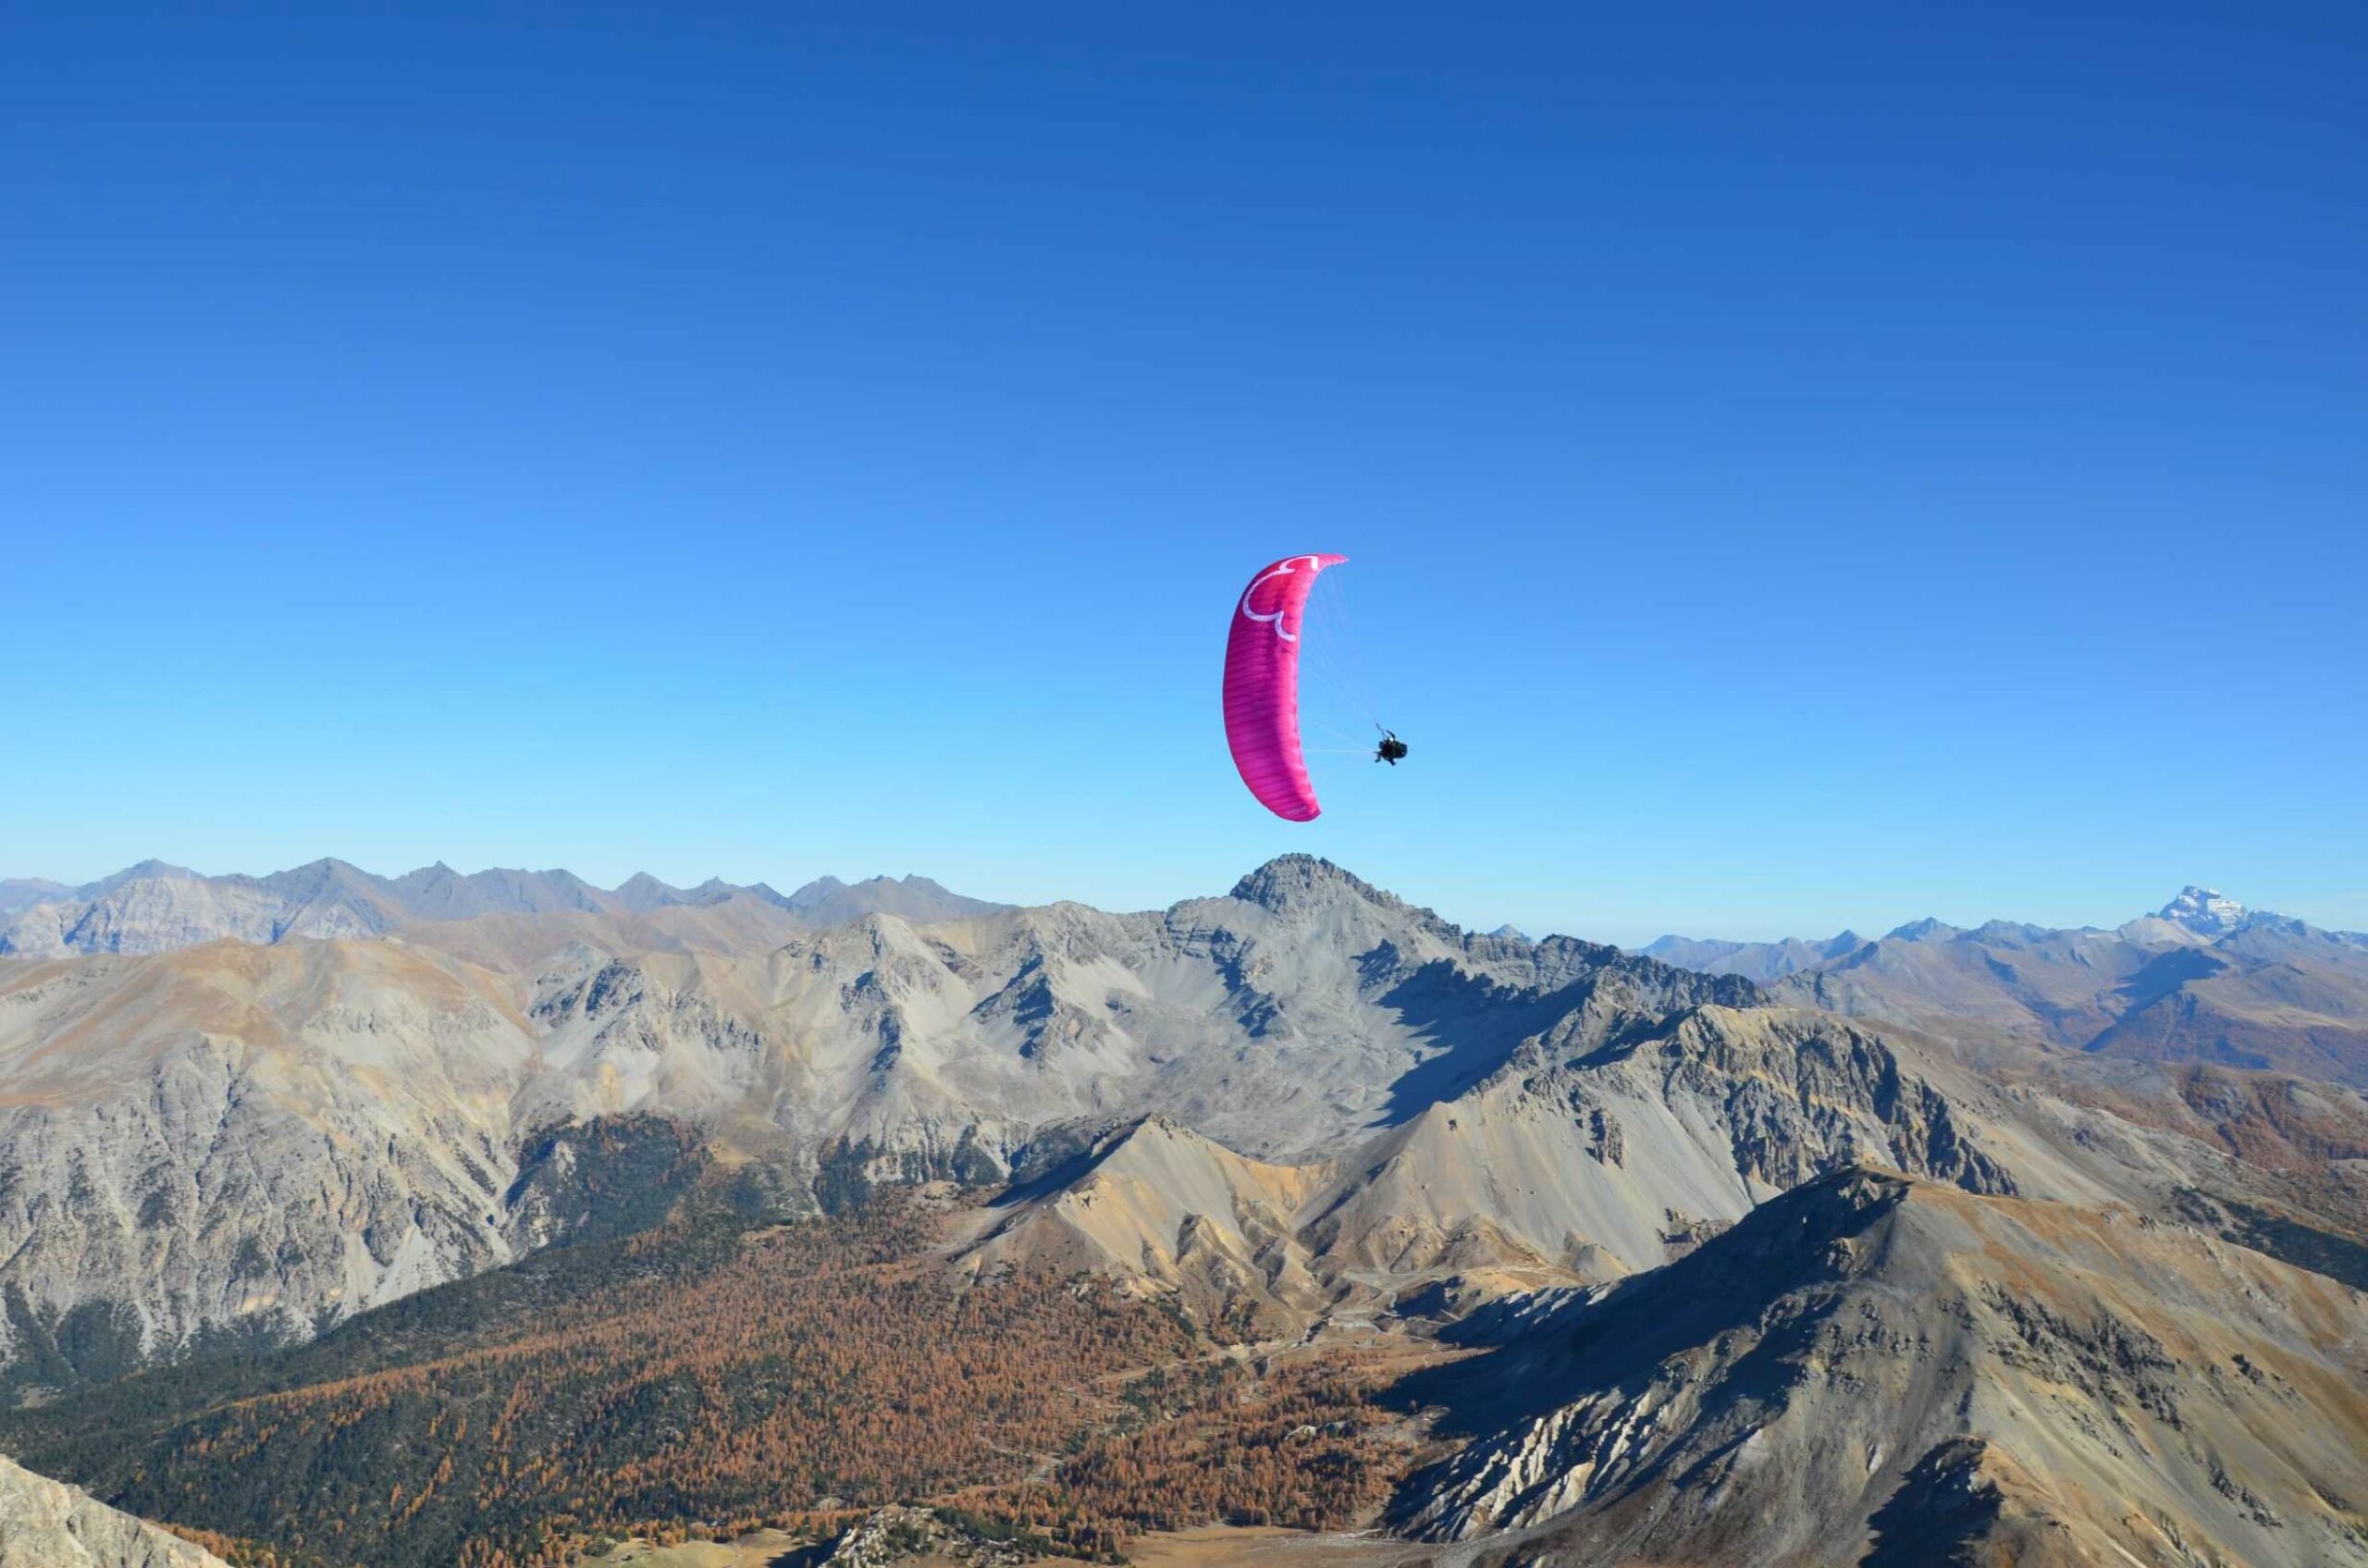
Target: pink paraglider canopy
(1262,685)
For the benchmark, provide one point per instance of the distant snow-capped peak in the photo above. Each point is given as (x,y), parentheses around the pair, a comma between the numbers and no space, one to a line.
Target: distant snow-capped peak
(2203,910)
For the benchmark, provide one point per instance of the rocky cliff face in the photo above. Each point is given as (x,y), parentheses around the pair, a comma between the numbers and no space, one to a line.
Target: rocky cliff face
(1951,1377)
(1158,1204)
(243,1141)
(46,1525)
(1601,1152)
(1578,1161)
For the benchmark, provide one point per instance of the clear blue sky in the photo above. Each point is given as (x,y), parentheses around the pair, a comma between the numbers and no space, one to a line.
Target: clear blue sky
(1801,465)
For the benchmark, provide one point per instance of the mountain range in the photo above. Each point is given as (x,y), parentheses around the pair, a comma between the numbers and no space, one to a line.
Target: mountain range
(2203,978)
(155,907)
(251,1138)
(1302,1110)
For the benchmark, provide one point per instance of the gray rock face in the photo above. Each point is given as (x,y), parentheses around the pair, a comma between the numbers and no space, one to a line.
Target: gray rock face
(1605,1152)
(1945,1373)
(45,1524)
(242,1140)
(1582,1159)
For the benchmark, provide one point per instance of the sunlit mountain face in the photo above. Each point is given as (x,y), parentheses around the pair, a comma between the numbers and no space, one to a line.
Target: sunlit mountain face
(646,1202)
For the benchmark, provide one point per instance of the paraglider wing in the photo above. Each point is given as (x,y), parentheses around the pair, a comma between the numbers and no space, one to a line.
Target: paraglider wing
(1262,685)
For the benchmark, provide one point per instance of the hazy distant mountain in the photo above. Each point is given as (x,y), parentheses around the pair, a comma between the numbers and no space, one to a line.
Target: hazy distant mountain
(2201,980)
(438,893)
(1873,1370)
(1762,961)
(2204,911)
(826,901)
(21,893)
(155,907)
(146,870)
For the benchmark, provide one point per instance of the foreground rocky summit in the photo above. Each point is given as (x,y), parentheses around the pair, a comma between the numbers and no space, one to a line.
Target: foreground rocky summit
(1876,1369)
(45,1524)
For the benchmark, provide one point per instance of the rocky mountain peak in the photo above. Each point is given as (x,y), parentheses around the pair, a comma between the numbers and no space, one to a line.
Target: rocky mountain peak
(813,893)
(152,869)
(642,893)
(316,877)
(715,890)
(1775,1363)
(1298,881)
(913,898)
(146,870)
(2203,910)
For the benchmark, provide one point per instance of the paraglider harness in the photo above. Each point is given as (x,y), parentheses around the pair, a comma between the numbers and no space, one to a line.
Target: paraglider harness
(1390,749)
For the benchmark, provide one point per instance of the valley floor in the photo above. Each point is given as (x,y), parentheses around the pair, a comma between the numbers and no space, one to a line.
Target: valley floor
(1228,1547)
(1216,1547)
(762,1550)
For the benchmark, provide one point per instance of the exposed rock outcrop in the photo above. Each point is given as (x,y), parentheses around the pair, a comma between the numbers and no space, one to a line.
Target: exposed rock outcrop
(1952,1374)
(45,1524)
